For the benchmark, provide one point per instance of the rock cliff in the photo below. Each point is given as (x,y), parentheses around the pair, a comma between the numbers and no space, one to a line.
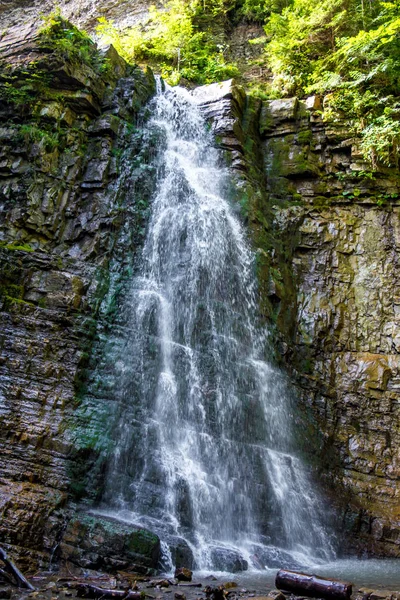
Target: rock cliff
(74,190)
(67,236)
(326,229)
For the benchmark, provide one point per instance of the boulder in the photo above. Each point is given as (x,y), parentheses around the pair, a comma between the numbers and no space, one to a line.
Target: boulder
(105,543)
(181,554)
(183,574)
(227,559)
(273,558)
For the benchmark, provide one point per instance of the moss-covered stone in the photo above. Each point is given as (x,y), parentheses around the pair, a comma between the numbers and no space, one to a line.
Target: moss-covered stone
(105,543)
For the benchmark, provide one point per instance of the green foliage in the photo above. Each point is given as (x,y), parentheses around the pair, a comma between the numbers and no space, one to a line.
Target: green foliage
(67,41)
(381,141)
(31,132)
(349,50)
(259,10)
(16,245)
(298,36)
(23,87)
(178,39)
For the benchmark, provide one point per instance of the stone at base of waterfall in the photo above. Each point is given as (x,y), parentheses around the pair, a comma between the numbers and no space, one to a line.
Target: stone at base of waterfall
(226,559)
(229,585)
(104,543)
(181,554)
(183,574)
(271,557)
(270,597)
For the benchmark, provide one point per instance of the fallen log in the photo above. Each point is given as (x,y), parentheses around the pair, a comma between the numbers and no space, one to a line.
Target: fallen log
(303,584)
(86,590)
(11,569)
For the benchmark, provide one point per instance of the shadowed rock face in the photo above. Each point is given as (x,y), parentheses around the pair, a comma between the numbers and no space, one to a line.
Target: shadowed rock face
(345,350)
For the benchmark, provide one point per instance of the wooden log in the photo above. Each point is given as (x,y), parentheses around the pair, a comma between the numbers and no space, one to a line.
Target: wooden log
(11,569)
(87,590)
(304,584)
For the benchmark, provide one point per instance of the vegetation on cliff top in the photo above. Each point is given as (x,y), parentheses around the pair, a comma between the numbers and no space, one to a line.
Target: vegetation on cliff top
(184,39)
(349,50)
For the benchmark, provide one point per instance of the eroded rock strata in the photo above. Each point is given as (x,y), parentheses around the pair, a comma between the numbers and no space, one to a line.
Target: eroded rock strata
(75,184)
(68,235)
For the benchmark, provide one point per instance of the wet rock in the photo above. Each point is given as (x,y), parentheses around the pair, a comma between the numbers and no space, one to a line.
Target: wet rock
(380,594)
(229,585)
(5,593)
(56,251)
(276,595)
(215,593)
(105,543)
(225,559)
(181,554)
(271,557)
(162,583)
(183,574)
(179,596)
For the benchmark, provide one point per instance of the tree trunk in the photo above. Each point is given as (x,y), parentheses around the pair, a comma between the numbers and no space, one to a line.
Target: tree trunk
(312,585)
(12,570)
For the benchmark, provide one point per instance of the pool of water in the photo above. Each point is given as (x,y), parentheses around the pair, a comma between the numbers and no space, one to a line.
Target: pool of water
(373,573)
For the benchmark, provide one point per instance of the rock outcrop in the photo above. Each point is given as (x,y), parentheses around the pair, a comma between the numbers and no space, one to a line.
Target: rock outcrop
(330,279)
(84,13)
(345,260)
(67,215)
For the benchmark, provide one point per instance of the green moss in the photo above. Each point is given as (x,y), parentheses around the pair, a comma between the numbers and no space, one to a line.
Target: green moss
(31,132)
(23,86)
(141,542)
(321,201)
(12,295)
(16,246)
(305,137)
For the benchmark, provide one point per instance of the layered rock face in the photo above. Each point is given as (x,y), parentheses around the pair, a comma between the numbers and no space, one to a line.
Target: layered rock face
(84,13)
(326,229)
(68,217)
(345,261)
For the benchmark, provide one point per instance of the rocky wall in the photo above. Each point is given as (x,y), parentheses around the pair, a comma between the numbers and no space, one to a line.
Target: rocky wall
(344,352)
(71,216)
(325,227)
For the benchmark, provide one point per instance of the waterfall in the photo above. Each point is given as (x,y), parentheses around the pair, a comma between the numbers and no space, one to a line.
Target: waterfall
(204,447)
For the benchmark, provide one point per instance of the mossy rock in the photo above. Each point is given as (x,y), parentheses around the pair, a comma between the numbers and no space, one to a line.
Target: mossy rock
(98,542)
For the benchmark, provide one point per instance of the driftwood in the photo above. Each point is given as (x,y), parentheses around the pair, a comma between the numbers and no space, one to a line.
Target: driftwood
(11,570)
(188,585)
(312,585)
(87,590)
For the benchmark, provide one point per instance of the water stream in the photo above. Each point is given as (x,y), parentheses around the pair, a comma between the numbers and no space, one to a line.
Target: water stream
(204,446)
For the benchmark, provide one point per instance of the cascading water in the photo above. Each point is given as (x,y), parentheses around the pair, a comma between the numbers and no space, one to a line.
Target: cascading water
(204,446)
